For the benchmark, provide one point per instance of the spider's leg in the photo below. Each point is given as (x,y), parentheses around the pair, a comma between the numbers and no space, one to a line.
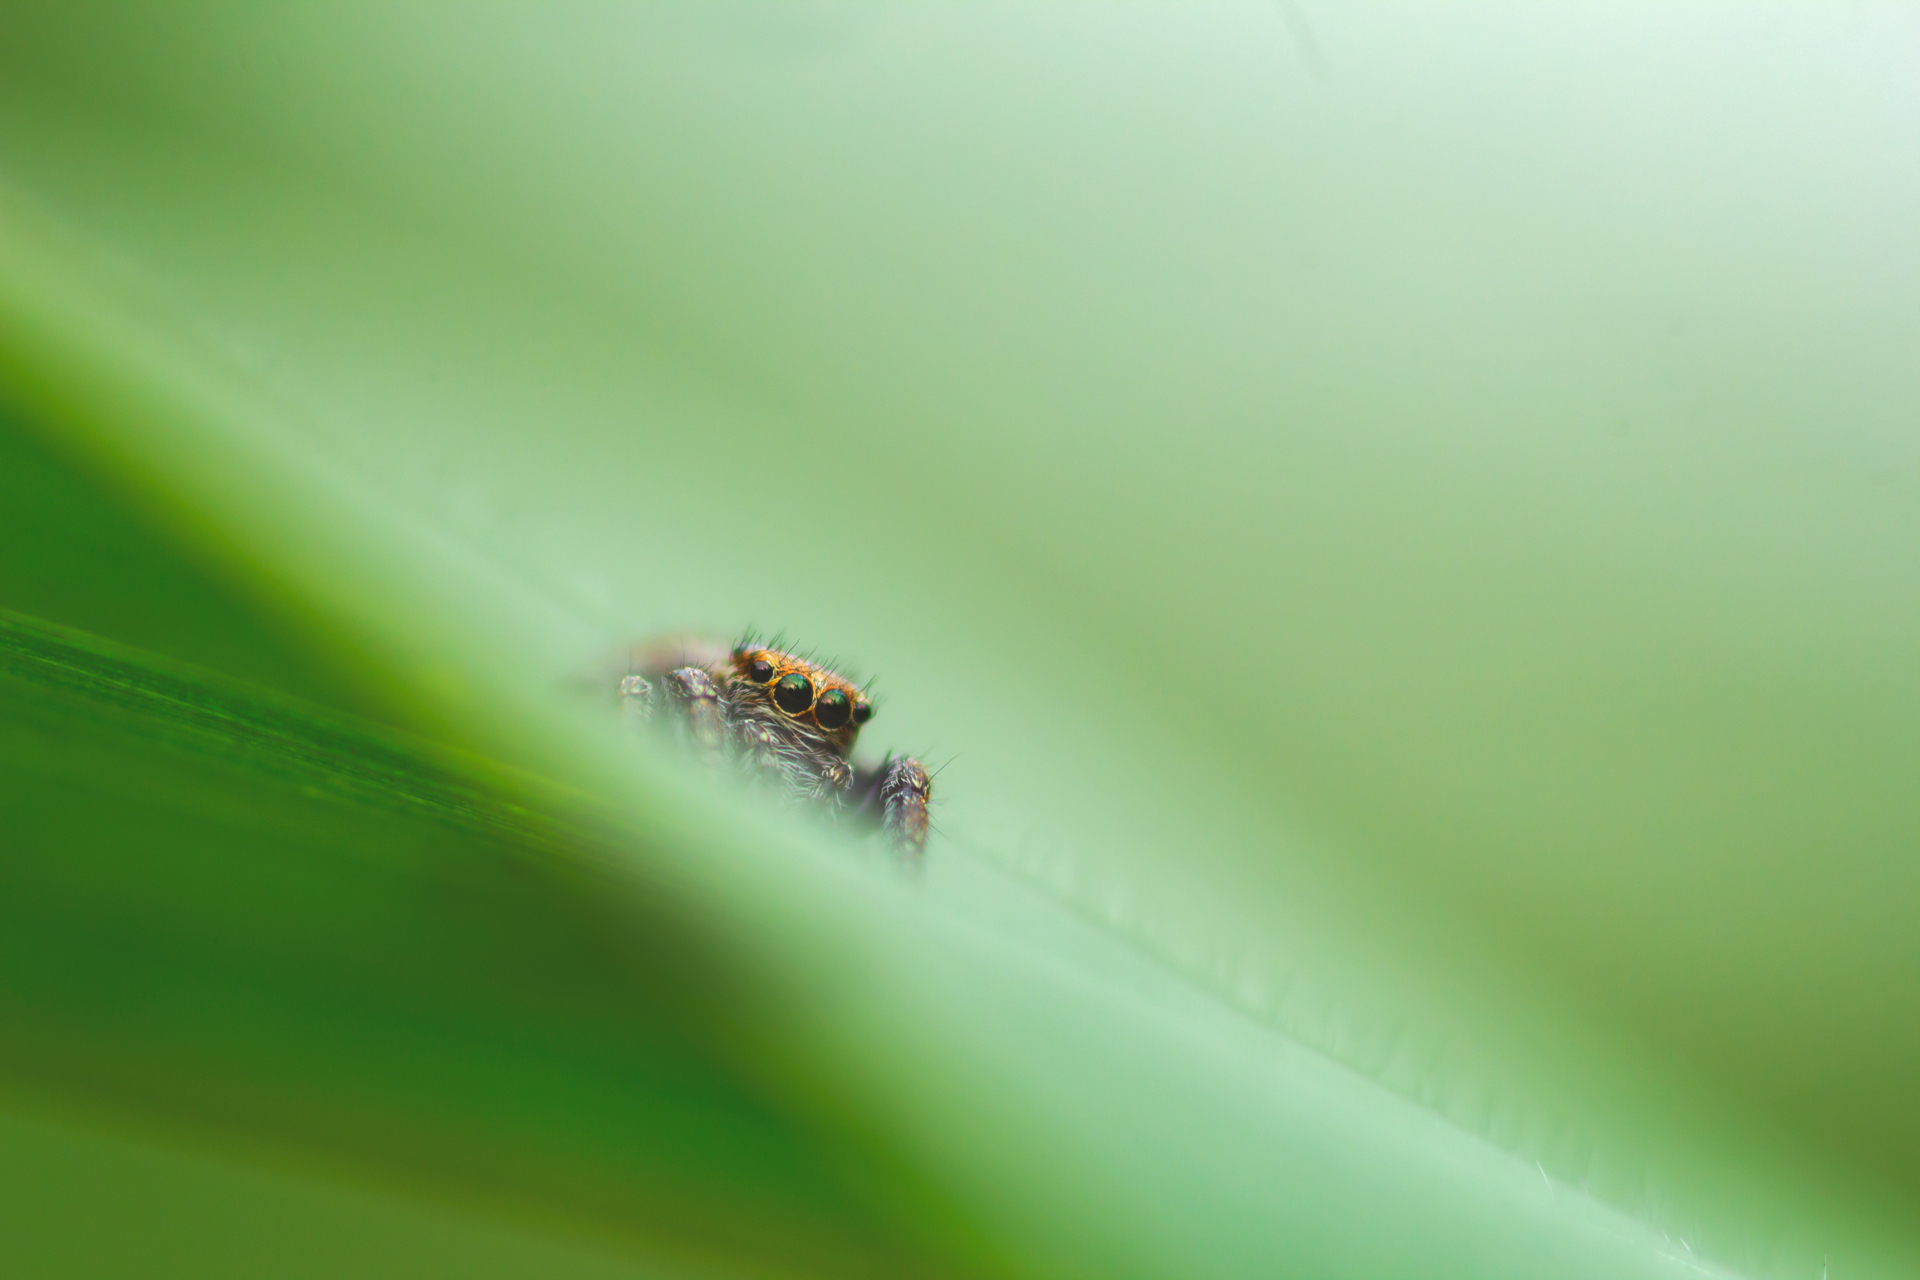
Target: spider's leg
(636,700)
(895,795)
(904,793)
(692,693)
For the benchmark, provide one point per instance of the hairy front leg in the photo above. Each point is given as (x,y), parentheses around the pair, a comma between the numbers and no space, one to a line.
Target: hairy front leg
(692,693)
(636,700)
(688,695)
(895,797)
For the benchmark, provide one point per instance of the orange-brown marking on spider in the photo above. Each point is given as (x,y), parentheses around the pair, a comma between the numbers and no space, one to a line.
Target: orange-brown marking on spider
(807,693)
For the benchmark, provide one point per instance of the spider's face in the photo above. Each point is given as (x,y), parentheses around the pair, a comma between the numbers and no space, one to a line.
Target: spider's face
(804,698)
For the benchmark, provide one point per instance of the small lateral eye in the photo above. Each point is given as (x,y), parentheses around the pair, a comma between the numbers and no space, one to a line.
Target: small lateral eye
(862,711)
(793,694)
(759,671)
(833,710)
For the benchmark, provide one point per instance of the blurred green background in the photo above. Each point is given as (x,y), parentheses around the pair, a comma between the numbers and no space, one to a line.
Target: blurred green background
(1400,522)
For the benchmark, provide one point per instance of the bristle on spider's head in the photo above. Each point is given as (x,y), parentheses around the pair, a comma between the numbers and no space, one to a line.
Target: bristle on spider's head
(800,693)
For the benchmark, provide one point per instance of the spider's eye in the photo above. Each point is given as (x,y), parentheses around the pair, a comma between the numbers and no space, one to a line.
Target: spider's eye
(793,694)
(833,710)
(862,711)
(759,671)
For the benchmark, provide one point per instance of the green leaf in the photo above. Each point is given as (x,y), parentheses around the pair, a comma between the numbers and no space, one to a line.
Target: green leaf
(329,944)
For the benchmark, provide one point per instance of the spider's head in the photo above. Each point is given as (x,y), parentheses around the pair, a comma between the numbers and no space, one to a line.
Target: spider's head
(806,698)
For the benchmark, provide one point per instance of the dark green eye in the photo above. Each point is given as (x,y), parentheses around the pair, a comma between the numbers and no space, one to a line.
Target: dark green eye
(862,712)
(759,671)
(832,710)
(793,694)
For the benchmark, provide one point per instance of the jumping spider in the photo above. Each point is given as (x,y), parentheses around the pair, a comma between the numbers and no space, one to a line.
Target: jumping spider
(778,717)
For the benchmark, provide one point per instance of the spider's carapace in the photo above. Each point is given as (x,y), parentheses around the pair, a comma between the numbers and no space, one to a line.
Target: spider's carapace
(775,715)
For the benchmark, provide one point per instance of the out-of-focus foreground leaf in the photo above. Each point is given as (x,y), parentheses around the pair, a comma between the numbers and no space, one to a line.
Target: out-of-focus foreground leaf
(303,936)
(1405,519)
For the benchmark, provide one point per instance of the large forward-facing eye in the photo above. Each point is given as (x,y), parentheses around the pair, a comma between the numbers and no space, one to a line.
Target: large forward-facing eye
(759,671)
(793,694)
(833,710)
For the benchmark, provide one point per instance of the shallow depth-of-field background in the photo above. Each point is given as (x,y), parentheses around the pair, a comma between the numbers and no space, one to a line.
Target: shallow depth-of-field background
(1400,523)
